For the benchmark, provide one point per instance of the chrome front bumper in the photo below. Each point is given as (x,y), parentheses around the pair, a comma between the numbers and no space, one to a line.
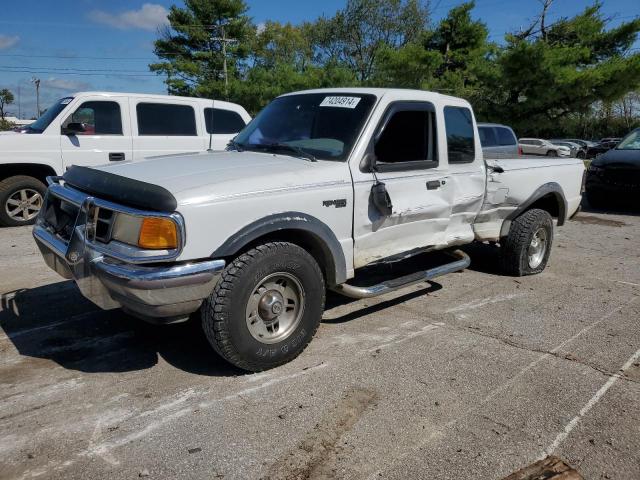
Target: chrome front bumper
(161,293)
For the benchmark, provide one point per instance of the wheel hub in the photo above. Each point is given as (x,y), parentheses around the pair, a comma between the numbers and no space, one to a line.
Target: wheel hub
(275,307)
(270,305)
(23,205)
(537,248)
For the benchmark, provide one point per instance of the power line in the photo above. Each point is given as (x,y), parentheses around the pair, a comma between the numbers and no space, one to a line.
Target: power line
(95,70)
(110,74)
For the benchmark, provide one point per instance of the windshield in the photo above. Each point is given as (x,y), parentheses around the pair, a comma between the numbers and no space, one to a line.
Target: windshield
(630,142)
(317,125)
(47,117)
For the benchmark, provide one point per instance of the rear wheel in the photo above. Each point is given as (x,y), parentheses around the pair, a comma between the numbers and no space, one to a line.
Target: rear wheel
(266,307)
(21,198)
(527,247)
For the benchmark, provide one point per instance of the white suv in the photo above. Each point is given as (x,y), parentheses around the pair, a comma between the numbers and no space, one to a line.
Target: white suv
(97,128)
(538,146)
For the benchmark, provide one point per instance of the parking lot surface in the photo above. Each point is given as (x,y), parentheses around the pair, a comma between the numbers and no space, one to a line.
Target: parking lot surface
(473,376)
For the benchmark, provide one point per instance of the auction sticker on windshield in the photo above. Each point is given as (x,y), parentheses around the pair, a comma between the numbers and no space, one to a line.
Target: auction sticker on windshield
(342,102)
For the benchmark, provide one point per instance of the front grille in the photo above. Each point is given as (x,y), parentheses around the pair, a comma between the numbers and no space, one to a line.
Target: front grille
(60,217)
(104,225)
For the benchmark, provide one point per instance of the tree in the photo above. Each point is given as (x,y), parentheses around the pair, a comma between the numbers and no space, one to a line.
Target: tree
(356,35)
(548,76)
(201,40)
(6,98)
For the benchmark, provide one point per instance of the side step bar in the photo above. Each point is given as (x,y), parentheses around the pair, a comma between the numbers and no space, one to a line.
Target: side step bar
(462,261)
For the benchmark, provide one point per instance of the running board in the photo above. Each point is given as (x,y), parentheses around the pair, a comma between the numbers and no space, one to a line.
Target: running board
(351,291)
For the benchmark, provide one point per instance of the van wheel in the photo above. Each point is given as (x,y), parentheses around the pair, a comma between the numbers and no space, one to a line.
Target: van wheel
(21,198)
(552,153)
(527,247)
(266,307)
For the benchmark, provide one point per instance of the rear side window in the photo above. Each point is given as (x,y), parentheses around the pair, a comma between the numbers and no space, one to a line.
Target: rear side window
(166,119)
(487,137)
(223,121)
(98,118)
(505,136)
(460,139)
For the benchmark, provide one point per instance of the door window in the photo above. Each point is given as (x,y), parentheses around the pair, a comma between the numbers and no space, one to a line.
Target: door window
(97,118)
(223,121)
(408,139)
(166,119)
(460,138)
(505,136)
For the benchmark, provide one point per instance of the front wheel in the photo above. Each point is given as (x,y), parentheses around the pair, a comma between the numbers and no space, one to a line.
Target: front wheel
(552,153)
(266,307)
(21,198)
(527,247)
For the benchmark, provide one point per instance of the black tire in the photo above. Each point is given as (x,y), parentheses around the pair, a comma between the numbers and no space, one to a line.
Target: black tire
(552,153)
(12,186)
(514,254)
(224,312)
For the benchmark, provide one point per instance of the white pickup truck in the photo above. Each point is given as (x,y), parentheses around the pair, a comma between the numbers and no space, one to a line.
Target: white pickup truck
(320,184)
(96,128)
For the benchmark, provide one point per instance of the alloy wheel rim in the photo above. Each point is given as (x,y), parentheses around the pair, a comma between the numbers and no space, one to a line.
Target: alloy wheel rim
(275,307)
(23,205)
(537,248)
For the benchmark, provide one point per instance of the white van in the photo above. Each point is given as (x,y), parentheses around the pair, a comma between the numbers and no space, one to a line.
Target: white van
(96,128)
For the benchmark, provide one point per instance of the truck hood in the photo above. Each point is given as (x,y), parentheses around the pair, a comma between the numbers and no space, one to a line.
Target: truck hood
(206,177)
(620,158)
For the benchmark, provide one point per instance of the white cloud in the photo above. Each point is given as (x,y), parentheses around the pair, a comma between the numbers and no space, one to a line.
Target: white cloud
(65,84)
(149,17)
(7,42)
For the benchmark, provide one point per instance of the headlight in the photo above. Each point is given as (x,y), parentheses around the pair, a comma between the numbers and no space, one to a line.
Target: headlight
(149,233)
(595,169)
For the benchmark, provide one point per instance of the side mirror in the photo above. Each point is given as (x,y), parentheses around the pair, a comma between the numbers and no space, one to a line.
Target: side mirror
(368,163)
(73,128)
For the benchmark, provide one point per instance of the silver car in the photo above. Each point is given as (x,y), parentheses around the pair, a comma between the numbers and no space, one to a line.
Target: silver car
(498,141)
(538,146)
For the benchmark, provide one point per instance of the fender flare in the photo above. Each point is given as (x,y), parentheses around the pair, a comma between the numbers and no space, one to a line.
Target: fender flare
(324,238)
(552,188)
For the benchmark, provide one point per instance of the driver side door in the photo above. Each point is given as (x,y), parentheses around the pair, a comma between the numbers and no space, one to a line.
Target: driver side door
(104,135)
(405,147)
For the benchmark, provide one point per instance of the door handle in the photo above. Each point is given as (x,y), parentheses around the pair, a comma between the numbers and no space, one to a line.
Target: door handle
(434,184)
(116,156)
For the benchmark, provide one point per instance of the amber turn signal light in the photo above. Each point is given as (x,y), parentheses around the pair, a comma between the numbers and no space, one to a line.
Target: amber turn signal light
(158,234)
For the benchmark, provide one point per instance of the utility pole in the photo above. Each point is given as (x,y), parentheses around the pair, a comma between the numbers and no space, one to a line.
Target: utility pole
(224,40)
(37,83)
(19,104)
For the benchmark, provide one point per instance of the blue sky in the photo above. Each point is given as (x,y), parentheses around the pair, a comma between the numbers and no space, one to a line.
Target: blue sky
(47,39)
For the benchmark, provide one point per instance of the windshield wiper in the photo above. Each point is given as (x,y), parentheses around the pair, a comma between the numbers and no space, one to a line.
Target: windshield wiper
(238,146)
(273,147)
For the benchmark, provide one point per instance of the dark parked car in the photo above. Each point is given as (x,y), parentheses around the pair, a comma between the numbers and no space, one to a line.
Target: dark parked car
(613,178)
(601,148)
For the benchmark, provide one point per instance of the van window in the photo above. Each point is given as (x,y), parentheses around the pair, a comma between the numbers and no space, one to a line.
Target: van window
(505,136)
(166,119)
(487,137)
(224,121)
(408,136)
(97,118)
(460,138)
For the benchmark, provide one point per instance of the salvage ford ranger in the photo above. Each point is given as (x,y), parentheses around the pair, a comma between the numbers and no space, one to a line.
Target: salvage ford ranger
(319,185)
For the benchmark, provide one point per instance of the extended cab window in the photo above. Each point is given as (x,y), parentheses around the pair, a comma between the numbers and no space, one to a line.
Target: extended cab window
(460,138)
(408,136)
(97,118)
(223,121)
(166,119)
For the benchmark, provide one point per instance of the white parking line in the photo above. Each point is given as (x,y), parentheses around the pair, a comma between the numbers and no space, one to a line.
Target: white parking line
(590,404)
(481,302)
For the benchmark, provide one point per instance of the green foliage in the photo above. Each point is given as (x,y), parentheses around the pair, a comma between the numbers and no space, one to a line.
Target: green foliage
(6,98)
(543,82)
(5,125)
